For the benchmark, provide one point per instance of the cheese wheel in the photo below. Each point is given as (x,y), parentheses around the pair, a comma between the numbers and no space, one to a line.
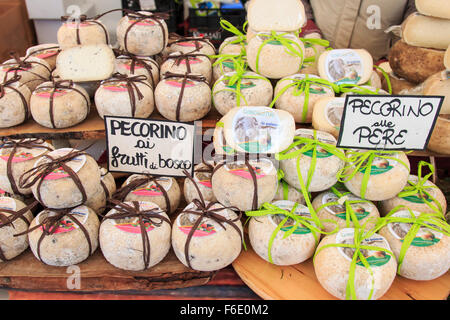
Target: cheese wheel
(106,188)
(152,193)
(413,63)
(198,65)
(428,256)
(375,80)
(89,86)
(108,180)
(210,249)
(227,47)
(253,92)
(312,50)
(113,99)
(86,63)
(221,68)
(296,248)
(293,194)
(47,52)
(287,15)
(434,8)
(416,202)
(68,245)
(220,144)
(364,211)
(202,178)
(364,89)
(332,266)
(123,65)
(447,58)
(190,46)
(439,85)
(233,184)
(258,129)
(11,246)
(145,38)
(89,32)
(429,32)
(195,103)
(294,103)
(384,172)
(274,60)
(386,68)
(352,66)
(440,137)
(121,240)
(397,84)
(36,72)
(14,109)
(325,171)
(327,115)
(69,106)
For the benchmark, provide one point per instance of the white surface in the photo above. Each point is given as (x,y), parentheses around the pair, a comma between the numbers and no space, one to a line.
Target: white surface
(52,9)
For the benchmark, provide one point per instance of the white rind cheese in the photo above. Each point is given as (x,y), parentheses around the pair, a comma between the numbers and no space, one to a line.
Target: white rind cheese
(440,138)
(327,115)
(434,8)
(439,85)
(429,32)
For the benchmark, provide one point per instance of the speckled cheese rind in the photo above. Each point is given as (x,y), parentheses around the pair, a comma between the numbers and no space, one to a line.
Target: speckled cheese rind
(221,68)
(189,46)
(12,109)
(90,34)
(219,142)
(199,65)
(423,31)
(89,86)
(370,88)
(274,60)
(292,195)
(211,252)
(327,115)
(195,104)
(312,50)
(439,85)
(97,201)
(396,178)
(38,73)
(124,249)
(332,271)
(235,190)
(173,193)
(146,38)
(434,8)
(420,263)
(123,65)
(416,203)
(330,212)
(108,179)
(111,102)
(230,48)
(47,52)
(66,248)
(63,192)
(10,245)
(375,80)
(440,138)
(397,84)
(69,106)
(325,173)
(255,92)
(203,180)
(295,104)
(284,251)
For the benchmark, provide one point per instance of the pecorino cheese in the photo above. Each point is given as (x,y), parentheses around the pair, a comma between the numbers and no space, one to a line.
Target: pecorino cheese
(440,137)
(439,85)
(150,69)
(47,52)
(429,32)
(327,115)
(86,63)
(89,32)
(434,8)
(175,63)
(364,89)
(286,192)
(375,80)
(398,84)
(428,256)
(258,129)
(32,71)
(220,144)
(202,178)
(287,15)
(349,66)
(312,50)
(106,188)
(296,248)
(228,47)
(14,104)
(89,86)
(187,45)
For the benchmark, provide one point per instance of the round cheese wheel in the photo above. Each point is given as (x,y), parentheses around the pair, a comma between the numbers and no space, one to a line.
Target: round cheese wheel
(113,99)
(332,266)
(221,68)
(253,92)
(33,74)
(440,137)
(384,172)
(447,58)
(294,103)
(434,8)
(146,37)
(274,60)
(375,80)
(121,240)
(195,102)
(69,106)
(293,194)
(364,211)
(198,65)
(423,31)
(123,65)
(202,178)
(353,66)
(413,63)
(369,89)
(439,85)
(151,192)
(67,245)
(107,179)
(327,115)
(296,248)
(397,84)
(89,86)
(14,105)
(428,256)
(88,32)
(190,46)
(220,144)
(47,52)
(212,247)
(227,47)
(312,50)
(233,184)
(10,245)
(325,171)
(106,188)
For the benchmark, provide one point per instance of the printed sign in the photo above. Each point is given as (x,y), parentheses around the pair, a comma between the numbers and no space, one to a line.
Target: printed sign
(388,122)
(161,148)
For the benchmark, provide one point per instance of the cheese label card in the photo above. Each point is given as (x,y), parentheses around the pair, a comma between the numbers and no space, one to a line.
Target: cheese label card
(385,122)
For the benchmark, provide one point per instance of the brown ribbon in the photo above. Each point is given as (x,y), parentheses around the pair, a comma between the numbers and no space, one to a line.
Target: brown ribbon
(8,84)
(124,210)
(175,38)
(23,65)
(7,143)
(209,169)
(135,60)
(121,193)
(130,82)
(83,18)
(186,57)
(43,49)
(185,77)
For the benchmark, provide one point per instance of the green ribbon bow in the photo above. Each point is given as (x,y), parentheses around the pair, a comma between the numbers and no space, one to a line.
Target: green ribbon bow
(241,38)
(302,86)
(312,42)
(386,76)
(348,87)
(362,161)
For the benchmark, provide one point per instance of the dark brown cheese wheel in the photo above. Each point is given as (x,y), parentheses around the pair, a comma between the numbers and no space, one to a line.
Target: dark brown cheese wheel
(398,84)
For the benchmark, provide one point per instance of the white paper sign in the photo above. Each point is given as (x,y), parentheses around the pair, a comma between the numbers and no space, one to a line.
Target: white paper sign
(388,122)
(162,148)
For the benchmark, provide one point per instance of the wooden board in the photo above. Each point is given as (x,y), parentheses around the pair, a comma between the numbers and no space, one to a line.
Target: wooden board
(299,282)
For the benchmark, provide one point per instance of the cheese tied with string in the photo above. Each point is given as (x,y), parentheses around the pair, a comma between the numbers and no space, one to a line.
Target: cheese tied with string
(439,85)
(14,102)
(225,63)
(314,47)
(327,115)
(81,31)
(46,52)
(178,62)
(287,192)
(105,190)
(440,137)
(424,31)
(351,89)
(220,144)
(202,45)
(200,182)
(128,63)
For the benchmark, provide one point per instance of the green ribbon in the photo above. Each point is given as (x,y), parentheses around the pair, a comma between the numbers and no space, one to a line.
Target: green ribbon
(241,38)
(312,42)
(362,160)
(239,61)
(348,87)
(386,76)
(302,86)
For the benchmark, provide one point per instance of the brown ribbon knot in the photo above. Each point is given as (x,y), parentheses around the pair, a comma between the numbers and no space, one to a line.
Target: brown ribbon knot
(22,65)
(186,57)
(176,38)
(124,210)
(7,83)
(136,61)
(83,18)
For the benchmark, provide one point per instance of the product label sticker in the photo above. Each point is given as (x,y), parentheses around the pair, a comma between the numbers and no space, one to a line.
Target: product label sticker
(152,190)
(12,68)
(188,44)
(222,143)
(145,22)
(361,209)
(44,54)
(126,64)
(7,203)
(115,86)
(261,168)
(84,24)
(301,210)
(344,66)
(245,84)
(333,112)
(313,88)
(228,64)
(66,224)
(192,60)
(207,227)
(75,164)
(418,198)
(178,83)
(204,178)
(132,225)
(322,137)
(47,92)
(23,154)
(380,165)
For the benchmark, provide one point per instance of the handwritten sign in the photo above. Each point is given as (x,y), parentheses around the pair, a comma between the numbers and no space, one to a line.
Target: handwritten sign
(162,148)
(388,122)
